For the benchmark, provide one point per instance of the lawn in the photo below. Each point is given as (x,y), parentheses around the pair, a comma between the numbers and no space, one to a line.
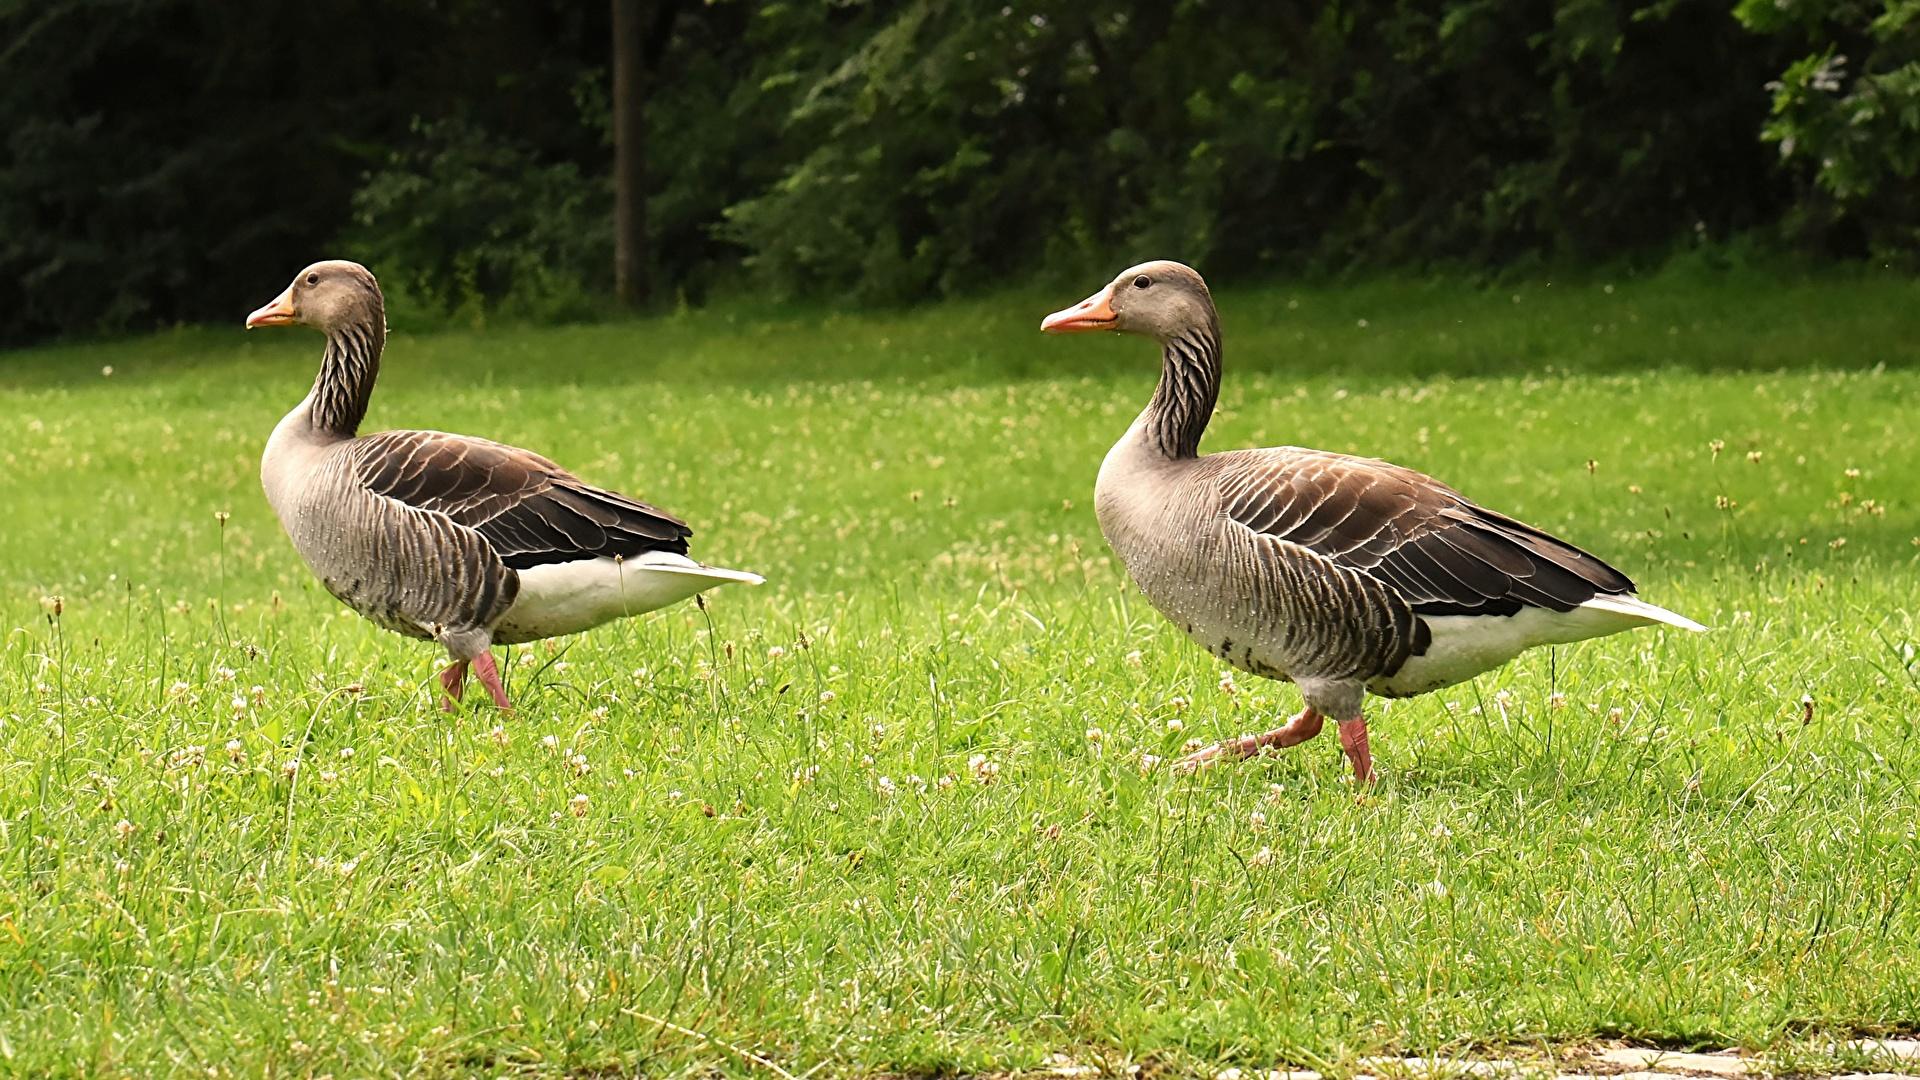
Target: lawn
(898,810)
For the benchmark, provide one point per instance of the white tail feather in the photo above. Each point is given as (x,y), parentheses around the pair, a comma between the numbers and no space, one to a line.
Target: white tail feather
(566,598)
(680,564)
(1636,608)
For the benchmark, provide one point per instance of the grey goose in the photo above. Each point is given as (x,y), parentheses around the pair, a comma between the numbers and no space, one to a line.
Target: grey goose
(1344,575)
(448,538)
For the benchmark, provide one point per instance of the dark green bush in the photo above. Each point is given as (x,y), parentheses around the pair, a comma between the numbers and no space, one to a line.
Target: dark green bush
(164,160)
(461,223)
(1846,119)
(942,144)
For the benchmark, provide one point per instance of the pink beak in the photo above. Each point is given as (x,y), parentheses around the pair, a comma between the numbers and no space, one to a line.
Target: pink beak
(1093,313)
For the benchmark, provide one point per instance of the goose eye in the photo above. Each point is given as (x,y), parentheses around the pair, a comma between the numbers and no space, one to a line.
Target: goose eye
(313,279)
(1142,281)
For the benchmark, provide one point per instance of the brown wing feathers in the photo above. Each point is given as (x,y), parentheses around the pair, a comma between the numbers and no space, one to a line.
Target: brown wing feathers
(531,510)
(1441,553)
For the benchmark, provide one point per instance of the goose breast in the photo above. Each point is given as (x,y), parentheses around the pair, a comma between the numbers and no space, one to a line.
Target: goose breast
(414,572)
(1264,605)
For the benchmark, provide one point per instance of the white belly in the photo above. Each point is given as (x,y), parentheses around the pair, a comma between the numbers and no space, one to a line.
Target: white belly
(566,598)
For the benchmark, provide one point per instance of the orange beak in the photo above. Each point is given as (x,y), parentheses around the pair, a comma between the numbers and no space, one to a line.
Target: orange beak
(1093,313)
(278,313)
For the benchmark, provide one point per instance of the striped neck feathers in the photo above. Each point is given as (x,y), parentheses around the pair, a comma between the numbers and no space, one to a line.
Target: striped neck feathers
(347,372)
(1189,387)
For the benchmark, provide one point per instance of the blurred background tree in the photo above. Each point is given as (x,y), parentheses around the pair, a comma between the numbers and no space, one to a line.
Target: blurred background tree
(166,160)
(1846,120)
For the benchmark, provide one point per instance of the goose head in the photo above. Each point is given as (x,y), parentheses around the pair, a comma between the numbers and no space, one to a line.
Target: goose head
(1160,300)
(328,296)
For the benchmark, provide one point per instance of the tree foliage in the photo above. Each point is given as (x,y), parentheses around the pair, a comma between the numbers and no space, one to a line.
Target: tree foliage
(1846,118)
(169,160)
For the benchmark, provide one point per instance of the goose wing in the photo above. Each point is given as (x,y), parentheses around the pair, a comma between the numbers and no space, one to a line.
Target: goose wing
(1441,553)
(531,510)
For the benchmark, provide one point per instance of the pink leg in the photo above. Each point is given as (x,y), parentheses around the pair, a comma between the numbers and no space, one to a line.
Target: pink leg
(490,678)
(1296,731)
(1353,739)
(453,679)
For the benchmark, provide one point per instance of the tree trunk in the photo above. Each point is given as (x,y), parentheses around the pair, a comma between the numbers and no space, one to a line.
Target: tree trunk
(630,283)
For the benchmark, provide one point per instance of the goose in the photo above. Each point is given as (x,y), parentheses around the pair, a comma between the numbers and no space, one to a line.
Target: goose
(1344,575)
(449,538)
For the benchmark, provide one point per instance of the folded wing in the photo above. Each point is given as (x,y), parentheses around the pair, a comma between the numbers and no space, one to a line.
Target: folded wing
(1441,553)
(531,510)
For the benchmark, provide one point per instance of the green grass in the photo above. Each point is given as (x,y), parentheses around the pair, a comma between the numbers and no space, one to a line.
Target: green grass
(1638,836)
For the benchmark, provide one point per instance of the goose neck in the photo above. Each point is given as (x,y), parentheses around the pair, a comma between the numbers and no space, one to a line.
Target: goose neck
(1189,387)
(348,369)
